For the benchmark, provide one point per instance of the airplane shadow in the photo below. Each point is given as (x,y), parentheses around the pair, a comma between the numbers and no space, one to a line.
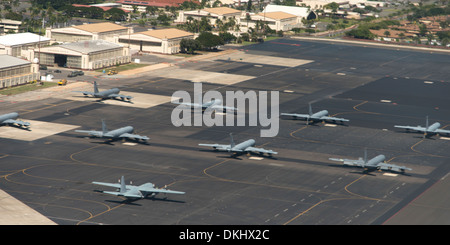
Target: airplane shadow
(370,173)
(133,201)
(20,127)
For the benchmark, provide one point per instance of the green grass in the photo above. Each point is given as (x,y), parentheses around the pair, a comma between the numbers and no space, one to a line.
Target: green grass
(26,88)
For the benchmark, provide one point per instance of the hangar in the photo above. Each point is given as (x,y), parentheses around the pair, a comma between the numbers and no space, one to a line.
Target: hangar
(165,41)
(15,71)
(86,55)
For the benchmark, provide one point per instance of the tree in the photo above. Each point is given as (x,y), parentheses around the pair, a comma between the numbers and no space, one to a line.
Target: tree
(207,40)
(189,45)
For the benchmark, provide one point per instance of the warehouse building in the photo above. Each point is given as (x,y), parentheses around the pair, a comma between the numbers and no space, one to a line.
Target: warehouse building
(86,55)
(15,71)
(212,14)
(97,31)
(164,41)
(14,44)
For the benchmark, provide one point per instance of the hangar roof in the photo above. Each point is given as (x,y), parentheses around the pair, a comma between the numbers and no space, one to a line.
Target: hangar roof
(10,61)
(21,38)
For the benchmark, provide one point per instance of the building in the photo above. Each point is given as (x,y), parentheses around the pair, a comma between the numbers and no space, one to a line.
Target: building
(11,26)
(278,21)
(97,31)
(300,12)
(165,41)
(141,5)
(86,55)
(15,71)
(14,44)
(213,14)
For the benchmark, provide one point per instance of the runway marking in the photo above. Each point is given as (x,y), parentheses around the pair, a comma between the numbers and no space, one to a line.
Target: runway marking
(385,101)
(256,158)
(444,138)
(390,174)
(428,82)
(129,143)
(330,125)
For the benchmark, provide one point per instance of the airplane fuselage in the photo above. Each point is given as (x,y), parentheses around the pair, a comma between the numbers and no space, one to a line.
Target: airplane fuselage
(12,115)
(242,146)
(319,114)
(432,128)
(374,161)
(106,93)
(117,132)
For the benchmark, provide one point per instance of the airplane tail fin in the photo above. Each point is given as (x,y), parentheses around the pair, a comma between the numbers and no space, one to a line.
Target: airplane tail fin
(95,87)
(123,188)
(104,129)
(426,123)
(365,155)
(309,109)
(231,140)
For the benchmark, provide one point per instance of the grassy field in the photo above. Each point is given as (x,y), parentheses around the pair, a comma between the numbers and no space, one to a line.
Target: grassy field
(25,88)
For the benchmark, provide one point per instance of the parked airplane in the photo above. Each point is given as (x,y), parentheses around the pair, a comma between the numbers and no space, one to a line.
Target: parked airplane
(315,117)
(106,94)
(135,192)
(376,163)
(124,132)
(215,104)
(246,146)
(10,119)
(428,129)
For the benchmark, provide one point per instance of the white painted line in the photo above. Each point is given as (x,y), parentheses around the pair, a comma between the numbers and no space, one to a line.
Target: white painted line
(428,82)
(330,125)
(276,164)
(258,65)
(128,143)
(385,101)
(340,74)
(390,174)
(288,91)
(256,158)
(444,138)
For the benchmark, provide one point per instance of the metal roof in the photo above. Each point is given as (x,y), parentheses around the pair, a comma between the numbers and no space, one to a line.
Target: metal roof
(90,46)
(11,61)
(21,38)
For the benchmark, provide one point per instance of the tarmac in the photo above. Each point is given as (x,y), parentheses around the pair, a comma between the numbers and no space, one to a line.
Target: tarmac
(375,89)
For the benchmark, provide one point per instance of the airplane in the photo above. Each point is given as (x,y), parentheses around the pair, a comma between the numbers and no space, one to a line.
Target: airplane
(315,117)
(246,146)
(106,94)
(428,129)
(135,192)
(215,104)
(376,163)
(10,119)
(124,132)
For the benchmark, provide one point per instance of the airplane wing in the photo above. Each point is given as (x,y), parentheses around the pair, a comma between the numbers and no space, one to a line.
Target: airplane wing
(350,162)
(115,185)
(193,105)
(334,119)
(260,150)
(91,132)
(148,187)
(84,92)
(120,96)
(227,108)
(387,166)
(442,131)
(295,115)
(26,124)
(135,136)
(418,128)
(217,146)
